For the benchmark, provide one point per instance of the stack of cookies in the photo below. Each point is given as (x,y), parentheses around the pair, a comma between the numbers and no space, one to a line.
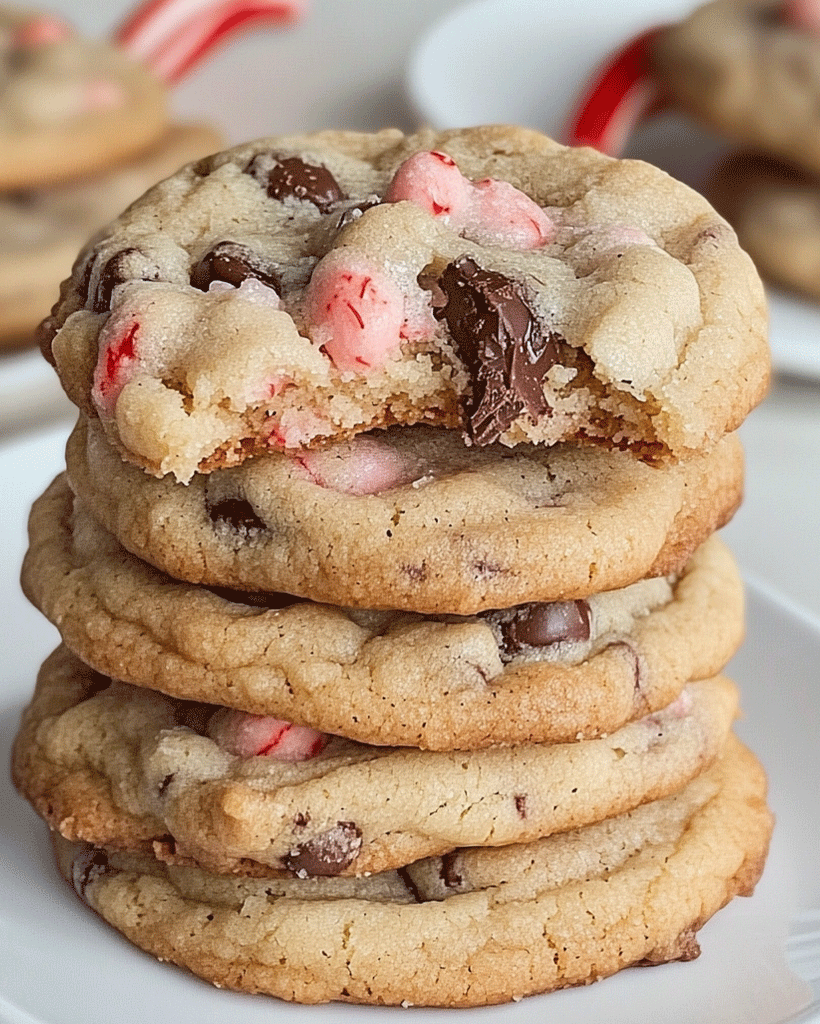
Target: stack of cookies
(386,570)
(751,70)
(84,130)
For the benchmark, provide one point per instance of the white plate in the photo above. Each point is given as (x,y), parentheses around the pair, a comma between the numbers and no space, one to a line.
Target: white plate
(59,964)
(524,62)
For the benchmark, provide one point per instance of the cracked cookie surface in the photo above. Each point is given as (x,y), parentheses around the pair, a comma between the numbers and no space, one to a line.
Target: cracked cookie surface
(479,927)
(411,518)
(126,766)
(540,672)
(487,279)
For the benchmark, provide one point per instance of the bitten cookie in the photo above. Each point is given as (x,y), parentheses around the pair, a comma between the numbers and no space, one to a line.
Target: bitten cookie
(122,765)
(548,672)
(477,927)
(299,289)
(775,209)
(42,229)
(750,69)
(411,518)
(69,106)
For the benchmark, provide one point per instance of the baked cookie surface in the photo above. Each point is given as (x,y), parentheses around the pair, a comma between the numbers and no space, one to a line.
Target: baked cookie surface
(533,673)
(412,519)
(42,229)
(750,70)
(126,766)
(775,210)
(69,106)
(478,927)
(487,279)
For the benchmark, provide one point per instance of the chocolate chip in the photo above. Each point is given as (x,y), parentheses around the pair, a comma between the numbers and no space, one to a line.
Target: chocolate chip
(410,885)
(521,805)
(256,599)
(353,213)
(539,625)
(237,513)
(91,864)
(291,177)
(498,337)
(126,265)
(233,263)
(326,854)
(448,872)
(166,782)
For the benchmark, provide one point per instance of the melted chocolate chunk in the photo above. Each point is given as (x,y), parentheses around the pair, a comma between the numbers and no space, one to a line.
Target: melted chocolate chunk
(539,625)
(121,267)
(237,513)
(88,866)
(256,599)
(326,854)
(448,870)
(505,350)
(290,177)
(233,263)
(410,885)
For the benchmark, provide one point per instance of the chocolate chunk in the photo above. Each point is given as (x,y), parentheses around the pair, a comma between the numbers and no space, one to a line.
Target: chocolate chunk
(89,865)
(291,177)
(256,599)
(539,625)
(326,854)
(233,263)
(237,513)
(448,871)
(410,885)
(126,265)
(506,351)
(521,805)
(353,213)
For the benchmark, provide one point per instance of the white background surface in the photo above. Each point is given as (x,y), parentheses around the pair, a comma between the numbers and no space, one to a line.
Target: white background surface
(344,67)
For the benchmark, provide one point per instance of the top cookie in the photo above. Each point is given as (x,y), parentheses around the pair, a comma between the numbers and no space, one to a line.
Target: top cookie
(297,289)
(751,69)
(69,106)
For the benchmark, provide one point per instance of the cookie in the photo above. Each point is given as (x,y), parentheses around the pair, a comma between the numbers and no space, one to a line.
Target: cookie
(775,209)
(476,927)
(533,673)
(69,106)
(42,229)
(94,756)
(444,529)
(300,289)
(751,70)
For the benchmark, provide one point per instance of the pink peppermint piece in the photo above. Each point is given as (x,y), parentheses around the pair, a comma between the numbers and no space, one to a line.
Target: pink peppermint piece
(803,14)
(248,735)
(432,181)
(362,466)
(504,215)
(102,94)
(115,367)
(358,316)
(41,30)
(489,212)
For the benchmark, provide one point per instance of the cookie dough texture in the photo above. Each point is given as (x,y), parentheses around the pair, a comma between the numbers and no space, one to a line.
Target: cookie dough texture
(483,926)
(472,529)
(49,132)
(775,210)
(42,229)
(740,67)
(353,808)
(379,677)
(656,313)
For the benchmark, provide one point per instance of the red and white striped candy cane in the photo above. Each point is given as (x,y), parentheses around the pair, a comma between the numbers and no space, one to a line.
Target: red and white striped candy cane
(172,36)
(616,99)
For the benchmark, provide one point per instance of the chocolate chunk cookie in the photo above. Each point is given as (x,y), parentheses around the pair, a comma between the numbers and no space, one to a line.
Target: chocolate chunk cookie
(309,288)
